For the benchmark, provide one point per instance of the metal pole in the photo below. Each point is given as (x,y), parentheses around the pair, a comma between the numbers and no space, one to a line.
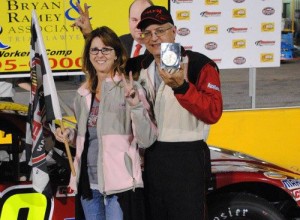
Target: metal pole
(252,86)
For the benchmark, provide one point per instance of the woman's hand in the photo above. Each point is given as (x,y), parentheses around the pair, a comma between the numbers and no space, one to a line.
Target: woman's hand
(131,94)
(66,136)
(83,22)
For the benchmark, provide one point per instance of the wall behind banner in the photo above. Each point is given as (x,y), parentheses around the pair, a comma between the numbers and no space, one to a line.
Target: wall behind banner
(271,135)
(63,44)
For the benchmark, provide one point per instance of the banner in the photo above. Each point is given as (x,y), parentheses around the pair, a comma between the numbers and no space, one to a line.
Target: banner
(233,33)
(64,44)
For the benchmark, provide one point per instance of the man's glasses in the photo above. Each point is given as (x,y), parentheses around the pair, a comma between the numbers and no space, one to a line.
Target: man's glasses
(104,50)
(146,35)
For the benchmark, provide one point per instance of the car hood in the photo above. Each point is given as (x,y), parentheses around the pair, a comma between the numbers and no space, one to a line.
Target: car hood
(224,160)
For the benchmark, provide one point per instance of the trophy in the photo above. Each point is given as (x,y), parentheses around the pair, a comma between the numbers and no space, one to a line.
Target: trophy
(170,56)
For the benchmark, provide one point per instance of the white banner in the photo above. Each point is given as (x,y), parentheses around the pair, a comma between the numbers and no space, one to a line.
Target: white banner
(234,33)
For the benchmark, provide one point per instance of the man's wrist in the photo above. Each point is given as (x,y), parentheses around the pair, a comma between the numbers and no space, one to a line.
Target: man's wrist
(182,89)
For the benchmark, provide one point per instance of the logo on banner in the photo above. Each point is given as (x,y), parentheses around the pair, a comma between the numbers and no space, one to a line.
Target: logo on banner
(237,30)
(238,43)
(239,12)
(239,60)
(266,57)
(182,1)
(238,1)
(211,29)
(211,46)
(183,15)
(183,31)
(267,27)
(211,2)
(210,14)
(268,11)
(265,43)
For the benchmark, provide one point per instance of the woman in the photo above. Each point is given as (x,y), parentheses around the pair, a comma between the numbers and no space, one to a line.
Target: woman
(111,121)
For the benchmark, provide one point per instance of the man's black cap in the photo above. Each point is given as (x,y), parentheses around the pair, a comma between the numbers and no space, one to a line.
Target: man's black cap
(154,15)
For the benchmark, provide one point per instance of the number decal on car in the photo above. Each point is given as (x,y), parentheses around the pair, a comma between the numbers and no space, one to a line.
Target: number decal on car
(5,139)
(22,202)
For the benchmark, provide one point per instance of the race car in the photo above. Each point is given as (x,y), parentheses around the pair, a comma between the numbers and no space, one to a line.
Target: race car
(241,186)
(18,199)
(244,187)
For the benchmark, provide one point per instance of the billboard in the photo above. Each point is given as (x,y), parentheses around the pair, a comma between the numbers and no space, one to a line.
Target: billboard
(64,44)
(234,33)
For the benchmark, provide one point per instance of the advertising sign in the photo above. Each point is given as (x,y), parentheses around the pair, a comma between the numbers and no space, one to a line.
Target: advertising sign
(234,33)
(64,44)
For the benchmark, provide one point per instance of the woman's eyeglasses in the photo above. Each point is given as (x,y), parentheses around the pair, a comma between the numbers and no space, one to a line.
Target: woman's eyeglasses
(104,50)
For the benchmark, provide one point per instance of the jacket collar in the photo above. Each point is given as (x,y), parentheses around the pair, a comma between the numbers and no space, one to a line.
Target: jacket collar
(84,91)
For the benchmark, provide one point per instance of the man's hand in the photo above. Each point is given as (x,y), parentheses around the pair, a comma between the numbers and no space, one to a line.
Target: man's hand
(83,22)
(173,79)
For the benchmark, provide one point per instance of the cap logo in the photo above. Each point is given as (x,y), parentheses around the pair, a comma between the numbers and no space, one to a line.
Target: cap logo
(154,11)
(158,14)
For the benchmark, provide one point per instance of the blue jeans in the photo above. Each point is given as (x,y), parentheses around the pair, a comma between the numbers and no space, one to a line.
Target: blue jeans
(95,209)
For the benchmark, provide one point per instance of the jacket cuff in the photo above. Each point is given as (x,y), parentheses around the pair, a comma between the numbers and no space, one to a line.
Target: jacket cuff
(182,89)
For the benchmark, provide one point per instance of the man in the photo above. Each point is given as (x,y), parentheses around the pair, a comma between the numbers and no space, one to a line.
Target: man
(131,41)
(7,90)
(177,166)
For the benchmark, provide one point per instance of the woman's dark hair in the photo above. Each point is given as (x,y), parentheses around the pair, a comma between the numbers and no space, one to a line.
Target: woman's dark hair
(109,38)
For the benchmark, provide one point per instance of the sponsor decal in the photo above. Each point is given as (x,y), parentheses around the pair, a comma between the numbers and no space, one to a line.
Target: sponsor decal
(217,60)
(183,31)
(268,11)
(5,138)
(266,57)
(265,43)
(211,2)
(183,15)
(291,183)
(239,12)
(64,191)
(212,86)
(296,194)
(211,29)
(210,14)
(239,60)
(238,1)
(267,27)
(182,1)
(237,30)
(211,45)
(238,43)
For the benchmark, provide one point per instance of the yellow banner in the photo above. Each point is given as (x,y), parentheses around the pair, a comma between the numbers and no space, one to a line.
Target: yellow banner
(63,43)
